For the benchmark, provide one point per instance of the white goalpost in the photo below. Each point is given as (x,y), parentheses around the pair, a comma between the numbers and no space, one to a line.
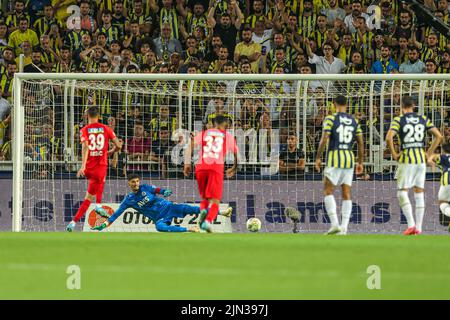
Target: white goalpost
(276,119)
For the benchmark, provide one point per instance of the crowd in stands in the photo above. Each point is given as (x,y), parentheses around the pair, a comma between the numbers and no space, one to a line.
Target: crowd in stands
(215,36)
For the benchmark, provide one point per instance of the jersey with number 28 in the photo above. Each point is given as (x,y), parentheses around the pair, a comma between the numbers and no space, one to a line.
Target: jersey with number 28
(214,145)
(412,129)
(97,135)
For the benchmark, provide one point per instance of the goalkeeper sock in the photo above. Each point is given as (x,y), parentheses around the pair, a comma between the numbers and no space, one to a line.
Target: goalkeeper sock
(212,213)
(330,206)
(445,209)
(82,210)
(204,204)
(406,207)
(346,213)
(420,209)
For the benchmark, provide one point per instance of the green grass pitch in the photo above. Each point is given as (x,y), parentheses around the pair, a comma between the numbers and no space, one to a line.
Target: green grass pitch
(222,266)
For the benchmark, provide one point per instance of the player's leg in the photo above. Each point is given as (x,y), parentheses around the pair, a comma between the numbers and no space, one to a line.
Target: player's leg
(202,182)
(444,199)
(419,195)
(176,211)
(404,183)
(82,209)
(214,193)
(346,208)
(330,180)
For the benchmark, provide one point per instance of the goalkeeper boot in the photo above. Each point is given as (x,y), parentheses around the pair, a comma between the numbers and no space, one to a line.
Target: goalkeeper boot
(207,226)
(333,230)
(227,212)
(202,216)
(70,226)
(101,212)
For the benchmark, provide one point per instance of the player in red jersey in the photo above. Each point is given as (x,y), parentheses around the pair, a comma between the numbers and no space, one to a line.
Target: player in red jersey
(214,145)
(95,139)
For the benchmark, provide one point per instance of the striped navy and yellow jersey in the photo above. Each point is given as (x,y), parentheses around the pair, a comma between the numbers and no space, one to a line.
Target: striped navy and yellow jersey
(253,18)
(12,21)
(342,129)
(112,33)
(156,124)
(73,39)
(170,16)
(443,162)
(307,24)
(6,85)
(192,22)
(442,69)
(411,129)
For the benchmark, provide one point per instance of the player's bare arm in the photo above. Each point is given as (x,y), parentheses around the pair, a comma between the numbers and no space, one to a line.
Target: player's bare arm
(360,164)
(118,143)
(390,143)
(322,145)
(231,171)
(436,142)
(84,155)
(187,158)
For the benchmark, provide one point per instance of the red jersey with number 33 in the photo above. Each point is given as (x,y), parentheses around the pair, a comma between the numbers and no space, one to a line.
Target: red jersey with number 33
(97,135)
(215,144)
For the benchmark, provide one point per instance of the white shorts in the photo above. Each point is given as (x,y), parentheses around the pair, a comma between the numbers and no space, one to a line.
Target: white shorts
(444,193)
(339,176)
(411,175)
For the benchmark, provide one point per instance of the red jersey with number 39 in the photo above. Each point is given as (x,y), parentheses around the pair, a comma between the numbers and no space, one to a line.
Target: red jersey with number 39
(214,145)
(97,135)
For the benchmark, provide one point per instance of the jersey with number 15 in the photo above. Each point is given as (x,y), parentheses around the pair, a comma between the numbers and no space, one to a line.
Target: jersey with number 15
(214,145)
(97,135)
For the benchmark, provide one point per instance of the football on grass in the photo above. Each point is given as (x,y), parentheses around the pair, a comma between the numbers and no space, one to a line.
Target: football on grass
(253,224)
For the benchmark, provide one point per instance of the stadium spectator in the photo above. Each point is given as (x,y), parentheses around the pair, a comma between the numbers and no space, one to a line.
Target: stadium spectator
(414,64)
(36,64)
(386,64)
(292,159)
(13,19)
(165,44)
(138,148)
(333,12)
(324,64)
(125,61)
(228,26)
(21,35)
(247,47)
(350,19)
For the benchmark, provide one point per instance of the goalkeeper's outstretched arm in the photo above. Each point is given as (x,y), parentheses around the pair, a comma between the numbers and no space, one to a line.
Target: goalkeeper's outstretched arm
(123,206)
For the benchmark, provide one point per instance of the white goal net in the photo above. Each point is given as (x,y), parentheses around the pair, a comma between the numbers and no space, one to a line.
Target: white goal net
(277,121)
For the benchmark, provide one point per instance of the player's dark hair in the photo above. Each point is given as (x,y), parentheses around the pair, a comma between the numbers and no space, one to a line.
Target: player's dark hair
(219,119)
(93,112)
(446,147)
(132,176)
(340,100)
(407,102)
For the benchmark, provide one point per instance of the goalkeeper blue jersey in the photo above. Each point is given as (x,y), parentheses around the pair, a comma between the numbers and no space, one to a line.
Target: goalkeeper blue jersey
(146,202)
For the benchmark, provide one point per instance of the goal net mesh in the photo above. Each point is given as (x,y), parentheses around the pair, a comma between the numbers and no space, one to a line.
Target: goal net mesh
(278,125)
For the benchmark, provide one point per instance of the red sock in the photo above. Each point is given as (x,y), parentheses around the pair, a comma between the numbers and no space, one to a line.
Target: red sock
(82,210)
(212,213)
(204,205)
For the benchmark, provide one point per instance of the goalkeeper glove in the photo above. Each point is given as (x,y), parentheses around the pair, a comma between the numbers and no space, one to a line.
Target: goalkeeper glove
(100,227)
(167,193)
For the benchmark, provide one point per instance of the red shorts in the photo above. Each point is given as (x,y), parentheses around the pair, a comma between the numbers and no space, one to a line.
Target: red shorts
(96,179)
(210,184)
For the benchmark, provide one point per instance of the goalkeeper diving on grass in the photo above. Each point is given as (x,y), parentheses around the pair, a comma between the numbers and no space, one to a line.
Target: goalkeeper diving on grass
(146,200)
